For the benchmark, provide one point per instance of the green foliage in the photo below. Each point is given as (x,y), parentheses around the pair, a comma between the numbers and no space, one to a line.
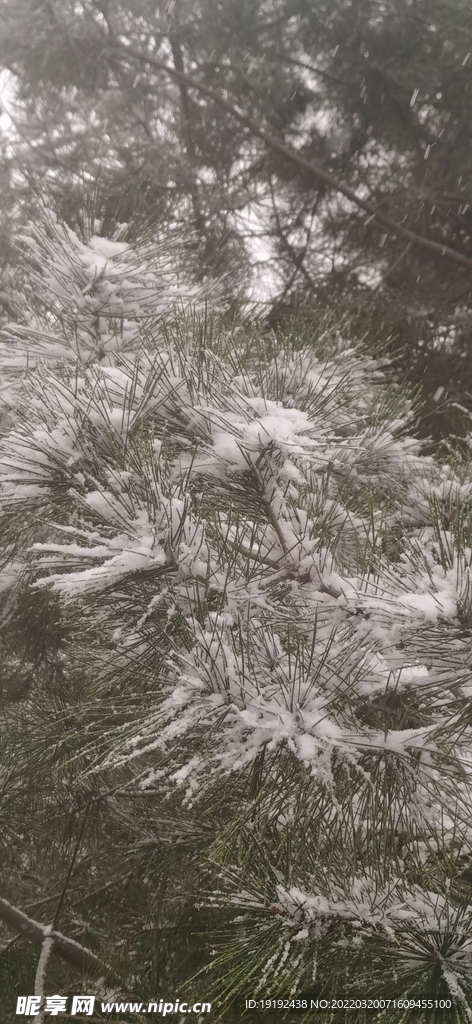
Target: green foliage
(380,95)
(234,684)
(236,605)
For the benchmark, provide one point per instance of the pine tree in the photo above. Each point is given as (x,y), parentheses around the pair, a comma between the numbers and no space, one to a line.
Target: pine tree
(236,611)
(376,95)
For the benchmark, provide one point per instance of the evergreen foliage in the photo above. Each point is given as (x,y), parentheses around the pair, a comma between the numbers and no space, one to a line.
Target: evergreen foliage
(235,672)
(377,93)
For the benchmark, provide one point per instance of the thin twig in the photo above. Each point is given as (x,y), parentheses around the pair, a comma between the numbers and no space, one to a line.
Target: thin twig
(276,527)
(72,863)
(241,549)
(397,262)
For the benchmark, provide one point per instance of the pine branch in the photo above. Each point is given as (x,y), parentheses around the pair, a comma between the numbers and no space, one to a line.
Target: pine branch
(271,590)
(67,949)
(272,142)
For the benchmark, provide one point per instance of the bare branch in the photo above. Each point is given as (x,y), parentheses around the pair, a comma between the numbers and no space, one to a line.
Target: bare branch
(272,142)
(397,262)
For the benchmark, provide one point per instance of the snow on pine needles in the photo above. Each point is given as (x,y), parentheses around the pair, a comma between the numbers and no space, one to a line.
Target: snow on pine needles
(255,549)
